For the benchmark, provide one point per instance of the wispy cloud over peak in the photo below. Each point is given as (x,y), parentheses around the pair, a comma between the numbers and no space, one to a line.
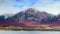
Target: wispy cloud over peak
(50,6)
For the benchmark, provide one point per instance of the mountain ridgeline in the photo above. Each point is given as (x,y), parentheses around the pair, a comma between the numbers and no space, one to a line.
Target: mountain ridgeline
(32,15)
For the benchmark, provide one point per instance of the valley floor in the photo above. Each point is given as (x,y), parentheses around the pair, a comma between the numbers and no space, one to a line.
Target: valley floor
(28,29)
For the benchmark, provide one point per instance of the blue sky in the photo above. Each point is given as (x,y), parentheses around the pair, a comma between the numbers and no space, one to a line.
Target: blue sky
(15,6)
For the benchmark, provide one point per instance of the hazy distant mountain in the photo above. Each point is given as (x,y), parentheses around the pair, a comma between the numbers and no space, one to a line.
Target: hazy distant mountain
(32,15)
(2,18)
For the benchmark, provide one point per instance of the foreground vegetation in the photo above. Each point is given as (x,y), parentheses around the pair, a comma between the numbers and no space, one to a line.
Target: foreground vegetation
(26,29)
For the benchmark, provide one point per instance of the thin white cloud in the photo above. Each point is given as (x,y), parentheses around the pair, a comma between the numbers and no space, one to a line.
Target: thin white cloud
(8,10)
(11,6)
(53,8)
